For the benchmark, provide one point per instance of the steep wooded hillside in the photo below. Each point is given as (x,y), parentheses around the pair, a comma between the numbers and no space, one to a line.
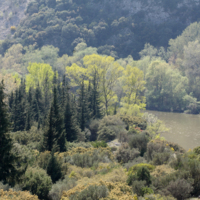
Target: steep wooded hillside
(116,27)
(11,12)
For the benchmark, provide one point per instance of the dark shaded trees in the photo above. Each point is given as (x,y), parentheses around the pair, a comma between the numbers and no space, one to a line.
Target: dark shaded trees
(8,170)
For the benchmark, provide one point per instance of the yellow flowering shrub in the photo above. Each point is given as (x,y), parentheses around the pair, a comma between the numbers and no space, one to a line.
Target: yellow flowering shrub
(82,150)
(117,191)
(19,195)
(162,170)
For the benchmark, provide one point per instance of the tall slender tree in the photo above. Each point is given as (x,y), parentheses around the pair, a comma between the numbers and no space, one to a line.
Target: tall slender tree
(8,171)
(55,133)
(70,121)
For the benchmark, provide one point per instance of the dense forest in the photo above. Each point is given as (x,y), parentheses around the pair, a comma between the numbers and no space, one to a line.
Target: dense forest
(117,28)
(77,77)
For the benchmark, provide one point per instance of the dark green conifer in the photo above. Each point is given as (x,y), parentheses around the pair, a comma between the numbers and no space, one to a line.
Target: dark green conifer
(54,134)
(94,99)
(70,121)
(8,171)
(54,168)
(83,107)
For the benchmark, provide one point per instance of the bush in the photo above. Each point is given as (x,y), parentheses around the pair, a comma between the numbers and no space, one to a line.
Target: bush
(137,187)
(139,141)
(125,154)
(123,137)
(93,192)
(143,174)
(135,168)
(60,186)
(106,134)
(159,146)
(97,144)
(114,123)
(93,127)
(161,158)
(4,187)
(8,195)
(71,145)
(90,158)
(180,189)
(134,121)
(43,159)
(37,182)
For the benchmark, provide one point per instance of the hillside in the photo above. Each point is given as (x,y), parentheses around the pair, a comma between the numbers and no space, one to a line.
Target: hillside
(117,28)
(11,12)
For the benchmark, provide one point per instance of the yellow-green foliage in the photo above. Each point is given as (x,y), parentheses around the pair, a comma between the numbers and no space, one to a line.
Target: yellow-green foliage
(20,195)
(162,170)
(157,197)
(135,168)
(118,191)
(39,73)
(81,150)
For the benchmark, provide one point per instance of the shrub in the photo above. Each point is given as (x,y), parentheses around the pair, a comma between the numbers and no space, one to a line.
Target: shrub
(134,121)
(71,145)
(114,123)
(43,159)
(161,158)
(136,161)
(197,150)
(139,141)
(143,174)
(97,144)
(60,186)
(4,187)
(8,195)
(37,182)
(123,137)
(137,187)
(93,127)
(93,192)
(135,168)
(125,154)
(106,134)
(180,189)
(157,197)
(90,158)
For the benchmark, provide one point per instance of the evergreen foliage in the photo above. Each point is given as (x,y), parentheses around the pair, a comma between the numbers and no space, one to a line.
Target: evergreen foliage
(54,134)
(8,169)
(54,168)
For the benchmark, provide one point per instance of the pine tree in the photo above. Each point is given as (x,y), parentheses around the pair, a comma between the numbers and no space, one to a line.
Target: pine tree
(70,121)
(94,99)
(54,134)
(83,107)
(54,168)
(18,114)
(8,172)
(28,120)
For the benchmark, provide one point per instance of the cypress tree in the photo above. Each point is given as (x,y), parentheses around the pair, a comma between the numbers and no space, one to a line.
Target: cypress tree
(70,121)
(18,115)
(54,168)
(94,99)
(55,133)
(8,172)
(28,121)
(83,107)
